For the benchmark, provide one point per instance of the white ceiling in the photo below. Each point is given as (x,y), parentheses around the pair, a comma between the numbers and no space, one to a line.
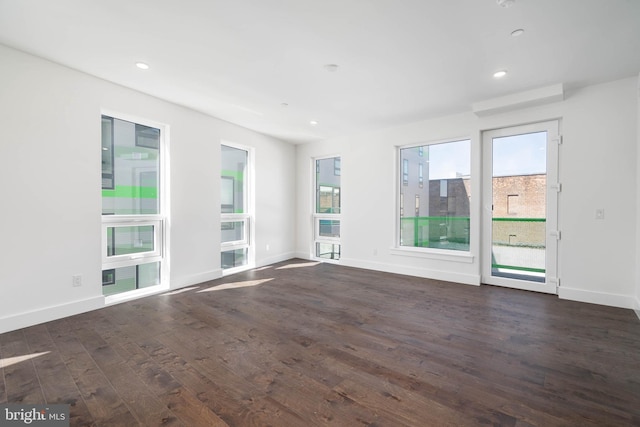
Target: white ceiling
(399,60)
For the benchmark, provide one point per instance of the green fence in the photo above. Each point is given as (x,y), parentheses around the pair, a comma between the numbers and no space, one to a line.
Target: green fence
(517,243)
(440,232)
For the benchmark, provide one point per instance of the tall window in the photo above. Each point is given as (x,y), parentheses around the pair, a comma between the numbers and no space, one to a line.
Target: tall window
(235,224)
(326,218)
(441,219)
(132,220)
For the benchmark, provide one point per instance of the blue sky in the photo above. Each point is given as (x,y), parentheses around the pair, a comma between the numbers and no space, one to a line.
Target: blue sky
(520,154)
(512,155)
(447,160)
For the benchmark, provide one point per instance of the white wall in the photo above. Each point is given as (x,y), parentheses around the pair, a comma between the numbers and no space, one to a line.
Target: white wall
(597,169)
(637,305)
(50,179)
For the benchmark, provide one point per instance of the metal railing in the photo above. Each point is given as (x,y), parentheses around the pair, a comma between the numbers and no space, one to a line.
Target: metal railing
(440,232)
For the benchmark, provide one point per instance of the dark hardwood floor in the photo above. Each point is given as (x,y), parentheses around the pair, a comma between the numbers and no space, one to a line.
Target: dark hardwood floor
(303,344)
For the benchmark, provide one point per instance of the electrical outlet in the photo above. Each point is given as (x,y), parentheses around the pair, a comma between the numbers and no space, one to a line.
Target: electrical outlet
(76,280)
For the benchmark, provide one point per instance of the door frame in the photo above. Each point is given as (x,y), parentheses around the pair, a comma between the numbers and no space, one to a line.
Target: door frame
(552,233)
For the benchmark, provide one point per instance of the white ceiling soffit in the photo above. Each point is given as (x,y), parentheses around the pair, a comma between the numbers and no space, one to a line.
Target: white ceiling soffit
(398,62)
(530,98)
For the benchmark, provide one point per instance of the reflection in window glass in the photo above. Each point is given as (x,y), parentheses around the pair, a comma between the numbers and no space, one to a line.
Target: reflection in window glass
(327,187)
(327,208)
(329,228)
(130,167)
(233,180)
(234,258)
(107,153)
(130,240)
(441,204)
(124,279)
(235,228)
(328,250)
(232,231)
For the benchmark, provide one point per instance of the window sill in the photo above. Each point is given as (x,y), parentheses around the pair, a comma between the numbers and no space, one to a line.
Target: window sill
(439,254)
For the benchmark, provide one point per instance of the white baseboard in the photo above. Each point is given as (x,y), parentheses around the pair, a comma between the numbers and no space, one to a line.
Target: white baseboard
(195,279)
(47,314)
(275,259)
(303,255)
(612,300)
(467,279)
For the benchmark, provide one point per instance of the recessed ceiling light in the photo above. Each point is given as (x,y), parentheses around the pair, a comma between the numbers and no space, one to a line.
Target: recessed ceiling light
(499,74)
(142,65)
(518,32)
(313,123)
(284,104)
(332,68)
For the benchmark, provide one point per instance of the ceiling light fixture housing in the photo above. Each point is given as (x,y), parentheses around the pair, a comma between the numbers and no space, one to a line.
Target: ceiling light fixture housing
(518,32)
(142,65)
(505,3)
(313,123)
(332,68)
(499,74)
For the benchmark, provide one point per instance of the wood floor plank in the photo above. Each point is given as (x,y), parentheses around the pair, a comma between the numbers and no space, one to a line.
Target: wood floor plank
(306,344)
(101,399)
(20,375)
(145,406)
(3,387)
(57,384)
(191,410)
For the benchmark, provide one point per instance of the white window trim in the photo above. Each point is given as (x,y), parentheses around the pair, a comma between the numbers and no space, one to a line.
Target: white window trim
(432,253)
(330,217)
(117,261)
(237,244)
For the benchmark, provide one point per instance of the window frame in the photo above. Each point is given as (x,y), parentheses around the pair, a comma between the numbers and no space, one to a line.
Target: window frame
(159,221)
(464,256)
(247,217)
(317,217)
(236,244)
(126,260)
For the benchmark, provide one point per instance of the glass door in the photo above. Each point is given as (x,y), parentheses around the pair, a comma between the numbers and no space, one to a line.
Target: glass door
(520,193)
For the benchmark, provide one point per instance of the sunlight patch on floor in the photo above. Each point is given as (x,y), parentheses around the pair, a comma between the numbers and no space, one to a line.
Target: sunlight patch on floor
(298,265)
(17,359)
(234,285)
(179,291)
